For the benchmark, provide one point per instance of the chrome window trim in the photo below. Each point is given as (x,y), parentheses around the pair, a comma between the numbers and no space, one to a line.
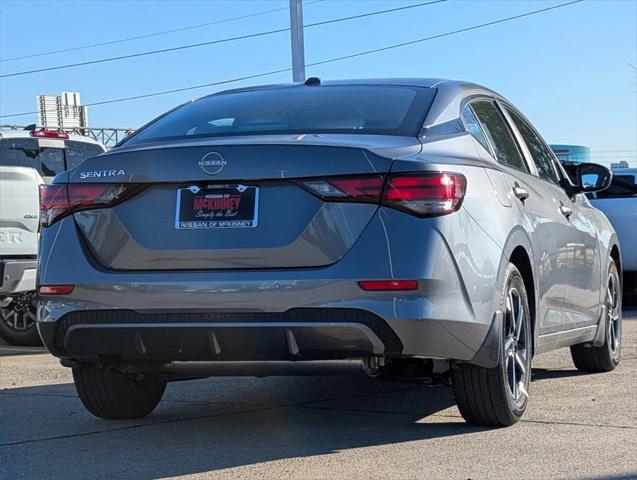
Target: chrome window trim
(506,106)
(481,97)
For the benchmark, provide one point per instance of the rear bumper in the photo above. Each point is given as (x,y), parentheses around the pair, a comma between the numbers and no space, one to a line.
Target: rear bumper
(17,276)
(299,334)
(449,316)
(129,337)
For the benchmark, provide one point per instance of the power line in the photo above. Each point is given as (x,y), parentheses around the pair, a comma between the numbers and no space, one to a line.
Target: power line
(149,35)
(214,42)
(166,92)
(612,151)
(446,34)
(141,54)
(322,62)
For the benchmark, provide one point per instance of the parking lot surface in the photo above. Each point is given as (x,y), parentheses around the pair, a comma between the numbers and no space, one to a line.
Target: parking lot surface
(577,426)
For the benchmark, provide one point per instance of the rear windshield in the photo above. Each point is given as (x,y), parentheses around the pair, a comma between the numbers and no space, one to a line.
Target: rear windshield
(363,109)
(77,152)
(47,160)
(26,152)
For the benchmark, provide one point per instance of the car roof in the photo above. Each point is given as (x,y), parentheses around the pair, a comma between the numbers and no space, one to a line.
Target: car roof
(404,82)
(18,133)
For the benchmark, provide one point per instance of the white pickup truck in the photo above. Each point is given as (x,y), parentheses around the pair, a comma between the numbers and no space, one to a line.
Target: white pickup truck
(28,158)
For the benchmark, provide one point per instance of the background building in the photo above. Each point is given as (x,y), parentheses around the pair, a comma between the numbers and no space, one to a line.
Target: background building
(572,153)
(64,111)
(621,164)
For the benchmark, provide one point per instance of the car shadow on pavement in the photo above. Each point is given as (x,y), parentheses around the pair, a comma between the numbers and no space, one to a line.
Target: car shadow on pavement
(549,374)
(212,424)
(208,425)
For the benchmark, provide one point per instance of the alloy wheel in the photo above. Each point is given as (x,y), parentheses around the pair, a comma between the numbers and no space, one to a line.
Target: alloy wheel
(20,316)
(516,349)
(613,313)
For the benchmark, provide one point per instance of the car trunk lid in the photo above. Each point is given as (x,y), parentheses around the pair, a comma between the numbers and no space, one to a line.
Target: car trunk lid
(281,224)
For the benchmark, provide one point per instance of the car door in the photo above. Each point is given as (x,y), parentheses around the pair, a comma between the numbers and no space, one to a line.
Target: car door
(539,208)
(580,259)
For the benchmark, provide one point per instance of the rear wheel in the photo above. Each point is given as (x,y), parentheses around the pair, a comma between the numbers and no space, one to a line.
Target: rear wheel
(109,394)
(589,358)
(17,322)
(498,396)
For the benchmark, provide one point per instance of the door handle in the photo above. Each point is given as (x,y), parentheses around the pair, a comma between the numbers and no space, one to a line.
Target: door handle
(520,192)
(566,211)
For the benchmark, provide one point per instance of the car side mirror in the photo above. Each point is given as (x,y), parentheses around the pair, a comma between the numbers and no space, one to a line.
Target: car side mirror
(592,177)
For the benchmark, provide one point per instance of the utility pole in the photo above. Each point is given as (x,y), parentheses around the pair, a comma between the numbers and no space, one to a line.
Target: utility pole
(296,37)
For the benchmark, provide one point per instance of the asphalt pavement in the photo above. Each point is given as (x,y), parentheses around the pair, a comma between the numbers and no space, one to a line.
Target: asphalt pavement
(578,426)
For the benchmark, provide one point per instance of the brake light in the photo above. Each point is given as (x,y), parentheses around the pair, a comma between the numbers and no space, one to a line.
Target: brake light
(46,133)
(60,200)
(393,285)
(424,194)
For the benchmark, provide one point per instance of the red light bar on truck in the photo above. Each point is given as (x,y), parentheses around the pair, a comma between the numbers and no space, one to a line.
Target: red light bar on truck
(46,133)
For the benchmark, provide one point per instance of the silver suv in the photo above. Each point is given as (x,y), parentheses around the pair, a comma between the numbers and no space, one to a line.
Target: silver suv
(422,227)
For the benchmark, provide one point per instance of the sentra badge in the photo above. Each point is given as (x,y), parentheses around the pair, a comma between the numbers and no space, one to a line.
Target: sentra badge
(103,173)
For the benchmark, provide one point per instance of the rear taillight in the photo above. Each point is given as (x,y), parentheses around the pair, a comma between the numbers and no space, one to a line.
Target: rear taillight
(356,189)
(424,194)
(428,194)
(54,203)
(59,200)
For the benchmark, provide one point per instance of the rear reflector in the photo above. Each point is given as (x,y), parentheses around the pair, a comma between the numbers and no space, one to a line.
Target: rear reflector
(56,289)
(59,200)
(392,285)
(425,194)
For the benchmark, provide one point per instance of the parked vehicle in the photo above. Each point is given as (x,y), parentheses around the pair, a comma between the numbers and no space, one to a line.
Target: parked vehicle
(619,204)
(25,157)
(422,226)
(19,209)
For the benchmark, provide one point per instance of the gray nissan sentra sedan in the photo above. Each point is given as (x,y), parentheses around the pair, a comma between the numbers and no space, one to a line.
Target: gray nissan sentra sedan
(422,228)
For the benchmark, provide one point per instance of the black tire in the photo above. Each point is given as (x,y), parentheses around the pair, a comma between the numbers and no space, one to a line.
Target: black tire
(494,396)
(589,358)
(17,323)
(109,394)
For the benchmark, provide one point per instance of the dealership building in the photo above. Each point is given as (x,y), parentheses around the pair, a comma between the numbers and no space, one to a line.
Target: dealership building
(572,153)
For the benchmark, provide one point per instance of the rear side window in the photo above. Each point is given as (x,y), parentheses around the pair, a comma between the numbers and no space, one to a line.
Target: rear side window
(540,152)
(77,152)
(359,109)
(622,186)
(473,126)
(499,135)
(26,152)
